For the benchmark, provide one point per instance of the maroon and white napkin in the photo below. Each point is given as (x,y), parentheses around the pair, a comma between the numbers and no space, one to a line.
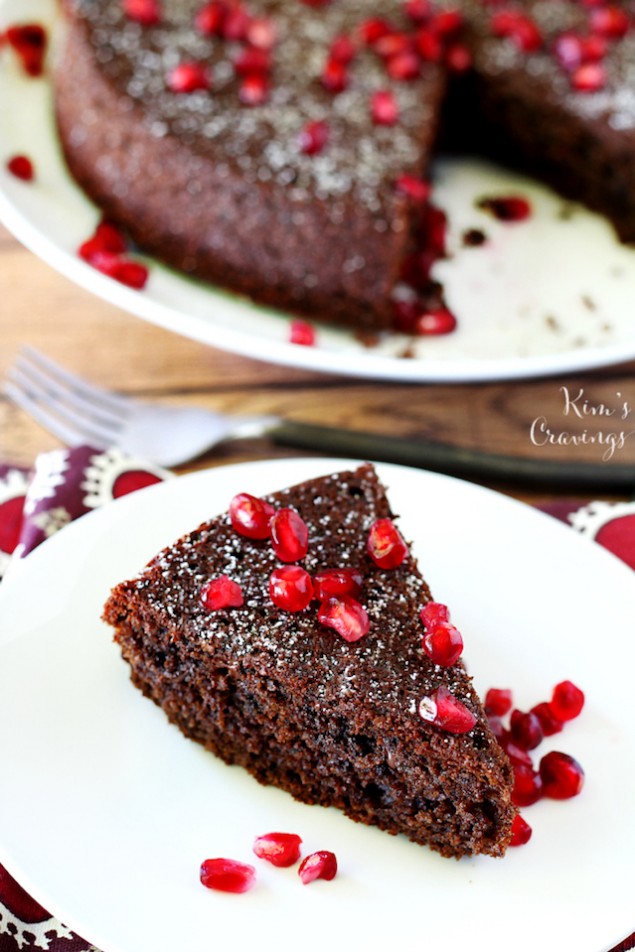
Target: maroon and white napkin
(65,484)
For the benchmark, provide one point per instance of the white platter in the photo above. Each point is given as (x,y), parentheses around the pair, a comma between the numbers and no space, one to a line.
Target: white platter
(106,811)
(552,295)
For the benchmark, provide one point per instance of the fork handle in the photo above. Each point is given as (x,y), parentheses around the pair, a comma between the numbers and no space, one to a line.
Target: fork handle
(454,460)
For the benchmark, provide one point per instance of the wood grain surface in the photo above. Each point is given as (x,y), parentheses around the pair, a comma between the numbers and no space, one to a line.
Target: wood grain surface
(44,309)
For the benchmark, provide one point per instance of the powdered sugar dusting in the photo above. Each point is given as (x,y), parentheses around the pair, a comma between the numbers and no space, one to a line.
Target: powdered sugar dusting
(258,635)
(362,158)
(613,105)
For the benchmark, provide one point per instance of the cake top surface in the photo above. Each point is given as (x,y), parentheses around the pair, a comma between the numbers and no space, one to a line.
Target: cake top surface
(386,667)
(363,157)
(551,66)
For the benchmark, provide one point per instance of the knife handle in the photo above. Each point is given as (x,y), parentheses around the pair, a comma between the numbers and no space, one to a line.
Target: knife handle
(454,460)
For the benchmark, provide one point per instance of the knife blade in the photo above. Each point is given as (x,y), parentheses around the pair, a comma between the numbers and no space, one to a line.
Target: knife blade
(455,460)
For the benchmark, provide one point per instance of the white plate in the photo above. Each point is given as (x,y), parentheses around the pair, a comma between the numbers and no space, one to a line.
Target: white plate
(106,810)
(542,297)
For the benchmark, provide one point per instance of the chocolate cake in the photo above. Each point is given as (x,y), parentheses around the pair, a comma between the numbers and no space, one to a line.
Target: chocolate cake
(280,148)
(346,717)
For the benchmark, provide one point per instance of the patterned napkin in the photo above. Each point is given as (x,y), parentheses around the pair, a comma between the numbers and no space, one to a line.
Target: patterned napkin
(65,484)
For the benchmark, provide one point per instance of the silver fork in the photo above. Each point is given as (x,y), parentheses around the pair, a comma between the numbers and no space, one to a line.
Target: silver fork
(77,412)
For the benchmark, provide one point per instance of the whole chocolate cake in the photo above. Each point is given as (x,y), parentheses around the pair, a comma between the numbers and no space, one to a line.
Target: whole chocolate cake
(298,655)
(281,147)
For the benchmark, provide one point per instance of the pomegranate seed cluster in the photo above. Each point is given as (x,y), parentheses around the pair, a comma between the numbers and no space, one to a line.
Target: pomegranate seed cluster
(419,306)
(558,776)
(105,251)
(281,850)
(337,591)
(578,50)
(290,587)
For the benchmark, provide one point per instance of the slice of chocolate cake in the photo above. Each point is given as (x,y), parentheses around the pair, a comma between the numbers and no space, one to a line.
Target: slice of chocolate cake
(336,702)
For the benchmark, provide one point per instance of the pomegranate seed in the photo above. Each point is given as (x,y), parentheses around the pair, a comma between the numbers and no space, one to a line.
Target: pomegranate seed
(589,78)
(525,730)
(498,701)
(497,728)
(236,23)
(403,67)
(567,701)
(434,224)
(261,33)
(515,753)
(279,849)
(443,644)
(320,865)
(568,50)
(458,58)
(334,583)
(383,108)
(521,831)
(518,28)
(303,333)
(417,10)
(447,22)
(130,273)
(146,12)
(385,544)
(548,721)
(29,42)
(343,50)
(527,786)
(210,18)
(254,90)
(314,137)
(611,22)
(433,323)
(507,208)
(434,613)
(252,60)
(429,45)
(289,535)
(250,516)
(594,48)
(404,315)
(188,78)
(227,875)
(393,44)
(572,51)
(445,711)
(22,167)
(416,189)
(346,616)
(562,776)
(99,255)
(221,592)
(290,588)
(110,237)
(334,76)
(373,29)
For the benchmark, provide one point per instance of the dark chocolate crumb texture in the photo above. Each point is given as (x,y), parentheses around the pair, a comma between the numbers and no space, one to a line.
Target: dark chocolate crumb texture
(349,724)
(282,148)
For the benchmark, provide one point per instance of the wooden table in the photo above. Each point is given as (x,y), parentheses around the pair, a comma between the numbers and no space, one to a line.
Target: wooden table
(44,309)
